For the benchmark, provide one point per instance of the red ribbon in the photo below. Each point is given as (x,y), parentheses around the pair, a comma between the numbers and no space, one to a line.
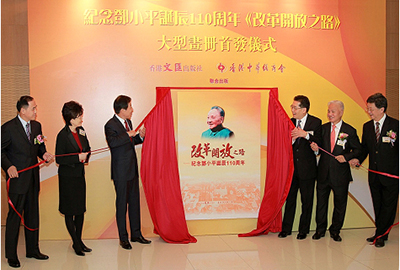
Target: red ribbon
(34,166)
(373,243)
(382,173)
(8,197)
(359,165)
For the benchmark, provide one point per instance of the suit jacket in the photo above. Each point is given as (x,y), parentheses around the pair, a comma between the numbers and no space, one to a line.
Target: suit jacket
(305,161)
(66,144)
(383,156)
(17,150)
(329,169)
(123,155)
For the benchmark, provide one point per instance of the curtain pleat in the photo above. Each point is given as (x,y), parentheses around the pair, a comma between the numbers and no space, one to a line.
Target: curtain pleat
(279,168)
(160,175)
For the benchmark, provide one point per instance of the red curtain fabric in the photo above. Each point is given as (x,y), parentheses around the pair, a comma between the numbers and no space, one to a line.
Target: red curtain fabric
(279,168)
(160,175)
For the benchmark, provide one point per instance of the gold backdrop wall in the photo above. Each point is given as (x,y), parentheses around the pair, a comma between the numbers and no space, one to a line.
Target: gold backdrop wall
(15,77)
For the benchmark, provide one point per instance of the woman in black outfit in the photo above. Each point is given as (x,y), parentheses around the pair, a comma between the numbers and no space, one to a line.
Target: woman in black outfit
(71,173)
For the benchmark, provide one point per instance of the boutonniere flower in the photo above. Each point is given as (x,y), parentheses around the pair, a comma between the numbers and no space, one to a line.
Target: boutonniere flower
(392,136)
(82,132)
(343,136)
(39,139)
(342,139)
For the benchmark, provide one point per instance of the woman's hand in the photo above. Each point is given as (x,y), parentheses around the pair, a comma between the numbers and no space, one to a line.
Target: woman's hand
(82,157)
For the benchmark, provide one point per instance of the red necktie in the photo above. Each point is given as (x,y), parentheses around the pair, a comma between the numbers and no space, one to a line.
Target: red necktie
(127,129)
(333,138)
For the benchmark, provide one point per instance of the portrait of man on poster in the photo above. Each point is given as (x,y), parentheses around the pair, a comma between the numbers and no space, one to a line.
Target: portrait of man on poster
(215,119)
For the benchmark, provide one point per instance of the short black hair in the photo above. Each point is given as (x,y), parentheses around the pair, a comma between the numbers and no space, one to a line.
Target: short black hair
(379,100)
(71,110)
(121,102)
(304,101)
(23,102)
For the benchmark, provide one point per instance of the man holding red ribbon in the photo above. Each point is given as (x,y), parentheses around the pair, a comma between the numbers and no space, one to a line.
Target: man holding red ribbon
(340,144)
(21,145)
(379,142)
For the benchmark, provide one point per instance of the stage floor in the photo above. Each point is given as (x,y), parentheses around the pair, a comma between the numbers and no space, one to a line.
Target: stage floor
(221,252)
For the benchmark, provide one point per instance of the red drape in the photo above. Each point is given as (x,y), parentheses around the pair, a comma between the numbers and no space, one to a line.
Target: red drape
(160,175)
(279,168)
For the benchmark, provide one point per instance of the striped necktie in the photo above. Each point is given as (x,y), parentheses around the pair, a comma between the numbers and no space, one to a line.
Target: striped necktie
(377,132)
(298,126)
(28,132)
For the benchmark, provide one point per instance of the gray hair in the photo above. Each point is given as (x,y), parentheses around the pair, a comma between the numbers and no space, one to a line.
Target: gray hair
(338,102)
(218,108)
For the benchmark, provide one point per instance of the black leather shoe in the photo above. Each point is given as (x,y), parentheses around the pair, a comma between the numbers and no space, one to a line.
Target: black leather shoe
(14,263)
(283,234)
(318,235)
(37,256)
(336,237)
(141,240)
(301,236)
(371,239)
(380,242)
(86,249)
(125,244)
(78,250)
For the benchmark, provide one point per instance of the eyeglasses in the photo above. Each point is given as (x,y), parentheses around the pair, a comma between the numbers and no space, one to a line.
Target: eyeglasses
(370,109)
(294,108)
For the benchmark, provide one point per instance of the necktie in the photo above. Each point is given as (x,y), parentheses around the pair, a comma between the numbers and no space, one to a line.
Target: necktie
(28,132)
(333,138)
(377,132)
(298,126)
(127,129)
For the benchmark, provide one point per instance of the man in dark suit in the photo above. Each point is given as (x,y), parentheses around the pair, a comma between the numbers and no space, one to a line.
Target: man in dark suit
(308,129)
(124,170)
(379,141)
(21,145)
(341,140)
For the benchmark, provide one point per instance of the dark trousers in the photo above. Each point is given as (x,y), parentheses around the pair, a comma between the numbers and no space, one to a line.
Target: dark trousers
(127,200)
(340,193)
(28,205)
(384,200)
(306,187)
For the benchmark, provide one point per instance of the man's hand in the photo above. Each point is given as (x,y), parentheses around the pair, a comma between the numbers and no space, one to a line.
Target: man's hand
(131,133)
(298,133)
(12,172)
(142,132)
(48,157)
(340,158)
(354,162)
(314,146)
